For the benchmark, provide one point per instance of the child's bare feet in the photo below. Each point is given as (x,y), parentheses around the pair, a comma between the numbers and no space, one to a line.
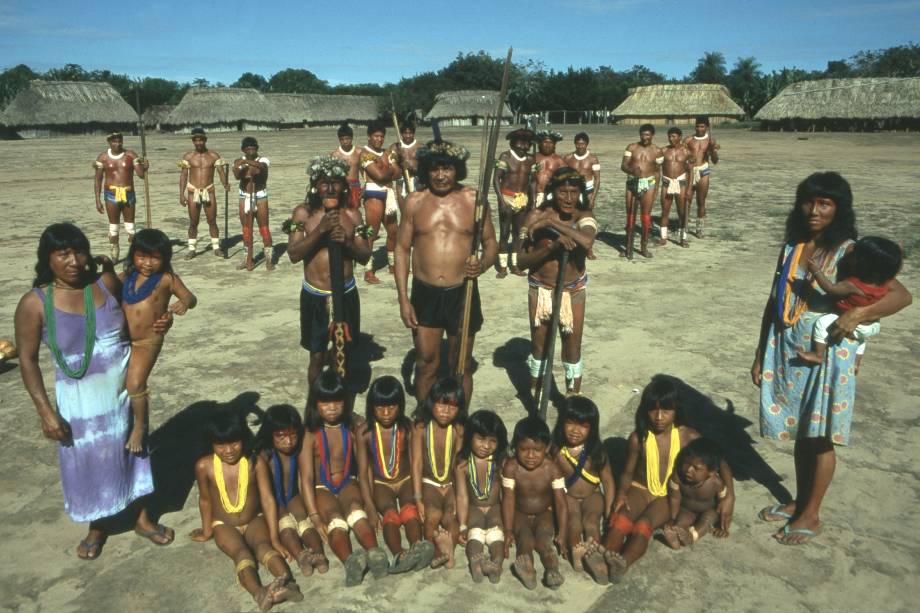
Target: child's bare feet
(135,442)
(404,561)
(669,533)
(616,565)
(444,546)
(810,356)
(286,591)
(304,561)
(523,569)
(578,552)
(477,571)
(378,563)
(491,569)
(552,578)
(355,565)
(425,552)
(685,536)
(263,597)
(595,564)
(319,561)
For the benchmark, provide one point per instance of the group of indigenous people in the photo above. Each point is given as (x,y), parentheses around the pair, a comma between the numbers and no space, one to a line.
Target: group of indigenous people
(442,476)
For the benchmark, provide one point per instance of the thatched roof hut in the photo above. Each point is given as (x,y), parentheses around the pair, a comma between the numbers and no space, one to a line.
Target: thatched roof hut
(677,103)
(335,109)
(466,107)
(845,104)
(155,116)
(54,108)
(290,109)
(223,109)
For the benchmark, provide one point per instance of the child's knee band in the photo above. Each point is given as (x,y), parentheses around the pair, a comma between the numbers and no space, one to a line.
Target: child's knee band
(643,528)
(129,228)
(391,517)
(355,516)
(337,524)
(573,371)
(243,565)
(303,525)
(266,234)
(494,535)
(268,555)
(140,394)
(620,523)
(113,229)
(408,512)
(476,534)
(535,366)
(247,236)
(646,222)
(288,522)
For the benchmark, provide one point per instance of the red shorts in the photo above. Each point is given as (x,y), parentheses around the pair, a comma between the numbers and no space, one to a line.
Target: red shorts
(354,200)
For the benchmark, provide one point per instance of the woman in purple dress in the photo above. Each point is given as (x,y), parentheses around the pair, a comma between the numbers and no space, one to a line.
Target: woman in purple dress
(74,311)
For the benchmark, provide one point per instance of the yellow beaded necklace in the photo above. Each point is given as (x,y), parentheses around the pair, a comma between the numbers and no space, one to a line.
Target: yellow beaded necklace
(242,485)
(656,485)
(448,451)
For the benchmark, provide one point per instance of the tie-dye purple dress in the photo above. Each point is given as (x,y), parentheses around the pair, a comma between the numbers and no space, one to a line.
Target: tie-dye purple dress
(98,475)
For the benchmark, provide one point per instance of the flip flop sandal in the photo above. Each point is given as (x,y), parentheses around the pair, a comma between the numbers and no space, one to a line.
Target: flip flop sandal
(159,531)
(91,547)
(425,551)
(776,511)
(404,562)
(787,531)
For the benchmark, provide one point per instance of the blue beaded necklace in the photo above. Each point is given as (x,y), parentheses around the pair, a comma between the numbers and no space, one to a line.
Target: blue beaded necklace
(281,497)
(130,295)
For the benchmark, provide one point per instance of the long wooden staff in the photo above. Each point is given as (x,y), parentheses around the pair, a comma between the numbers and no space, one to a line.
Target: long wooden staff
(227,214)
(482,207)
(410,186)
(140,126)
(549,345)
(338,330)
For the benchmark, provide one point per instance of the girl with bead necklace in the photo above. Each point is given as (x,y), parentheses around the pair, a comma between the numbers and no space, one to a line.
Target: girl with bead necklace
(436,437)
(386,437)
(588,482)
(148,283)
(279,439)
(485,445)
(328,463)
(234,490)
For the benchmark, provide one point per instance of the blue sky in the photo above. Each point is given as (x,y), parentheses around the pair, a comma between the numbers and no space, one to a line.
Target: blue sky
(351,42)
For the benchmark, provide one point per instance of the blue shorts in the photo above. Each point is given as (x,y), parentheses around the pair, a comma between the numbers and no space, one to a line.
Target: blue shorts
(110,198)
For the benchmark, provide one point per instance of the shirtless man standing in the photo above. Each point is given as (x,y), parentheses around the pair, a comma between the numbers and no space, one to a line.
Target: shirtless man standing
(589,166)
(351,155)
(559,224)
(405,151)
(252,172)
(547,162)
(380,205)
(703,150)
(674,182)
(326,217)
(642,165)
(116,168)
(437,229)
(513,184)
(196,190)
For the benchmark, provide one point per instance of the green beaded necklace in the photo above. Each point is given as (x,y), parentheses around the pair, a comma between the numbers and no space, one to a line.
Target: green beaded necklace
(89,306)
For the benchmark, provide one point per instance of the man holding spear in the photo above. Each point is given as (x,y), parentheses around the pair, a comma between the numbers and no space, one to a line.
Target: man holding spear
(437,228)
(321,230)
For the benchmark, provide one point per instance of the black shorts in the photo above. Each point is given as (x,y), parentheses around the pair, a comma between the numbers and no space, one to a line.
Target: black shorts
(314,320)
(442,307)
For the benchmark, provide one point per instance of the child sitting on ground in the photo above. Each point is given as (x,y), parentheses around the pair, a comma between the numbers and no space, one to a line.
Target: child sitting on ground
(588,482)
(694,490)
(485,445)
(235,520)
(868,271)
(279,439)
(148,283)
(386,438)
(329,461)
(533,488)
(436,437)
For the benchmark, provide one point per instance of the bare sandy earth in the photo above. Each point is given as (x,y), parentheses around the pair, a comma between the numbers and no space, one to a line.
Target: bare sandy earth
(693,313)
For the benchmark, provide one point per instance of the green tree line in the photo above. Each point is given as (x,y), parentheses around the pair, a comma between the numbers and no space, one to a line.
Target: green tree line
(533,87)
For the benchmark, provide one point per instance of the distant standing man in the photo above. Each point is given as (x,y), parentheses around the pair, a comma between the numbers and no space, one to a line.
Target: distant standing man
(326,218)
(380,205)
(405,150)
(642,165)
(513,184)
(674,184)
(351,155)
(547,162)
(252,172)
(589,166)
(437,230)
(115,169)
(196,190)
(703,150)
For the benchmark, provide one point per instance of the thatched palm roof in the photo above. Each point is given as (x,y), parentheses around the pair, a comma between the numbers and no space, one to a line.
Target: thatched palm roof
(682,100)
(879,98)
(465,103)
(334,108)
(289,108)
(45,104)
(208,106)
(157,114)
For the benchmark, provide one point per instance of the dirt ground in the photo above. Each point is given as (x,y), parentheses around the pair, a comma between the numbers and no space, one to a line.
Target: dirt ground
(692,313)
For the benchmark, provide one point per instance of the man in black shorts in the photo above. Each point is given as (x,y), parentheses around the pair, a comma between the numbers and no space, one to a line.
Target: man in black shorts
(437,229)
(325,218)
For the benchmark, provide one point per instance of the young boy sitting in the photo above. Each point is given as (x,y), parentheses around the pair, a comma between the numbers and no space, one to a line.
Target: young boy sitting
(533,486)
(231,510)
(694,490)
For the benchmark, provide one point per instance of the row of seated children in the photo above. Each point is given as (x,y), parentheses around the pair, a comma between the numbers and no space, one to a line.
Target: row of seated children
(436,476)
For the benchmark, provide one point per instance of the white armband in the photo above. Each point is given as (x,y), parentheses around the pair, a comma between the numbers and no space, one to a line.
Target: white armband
(587,222)
(509,483)
(627,154)
(659,160)
(99,165)
(596,167)
(559,484)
